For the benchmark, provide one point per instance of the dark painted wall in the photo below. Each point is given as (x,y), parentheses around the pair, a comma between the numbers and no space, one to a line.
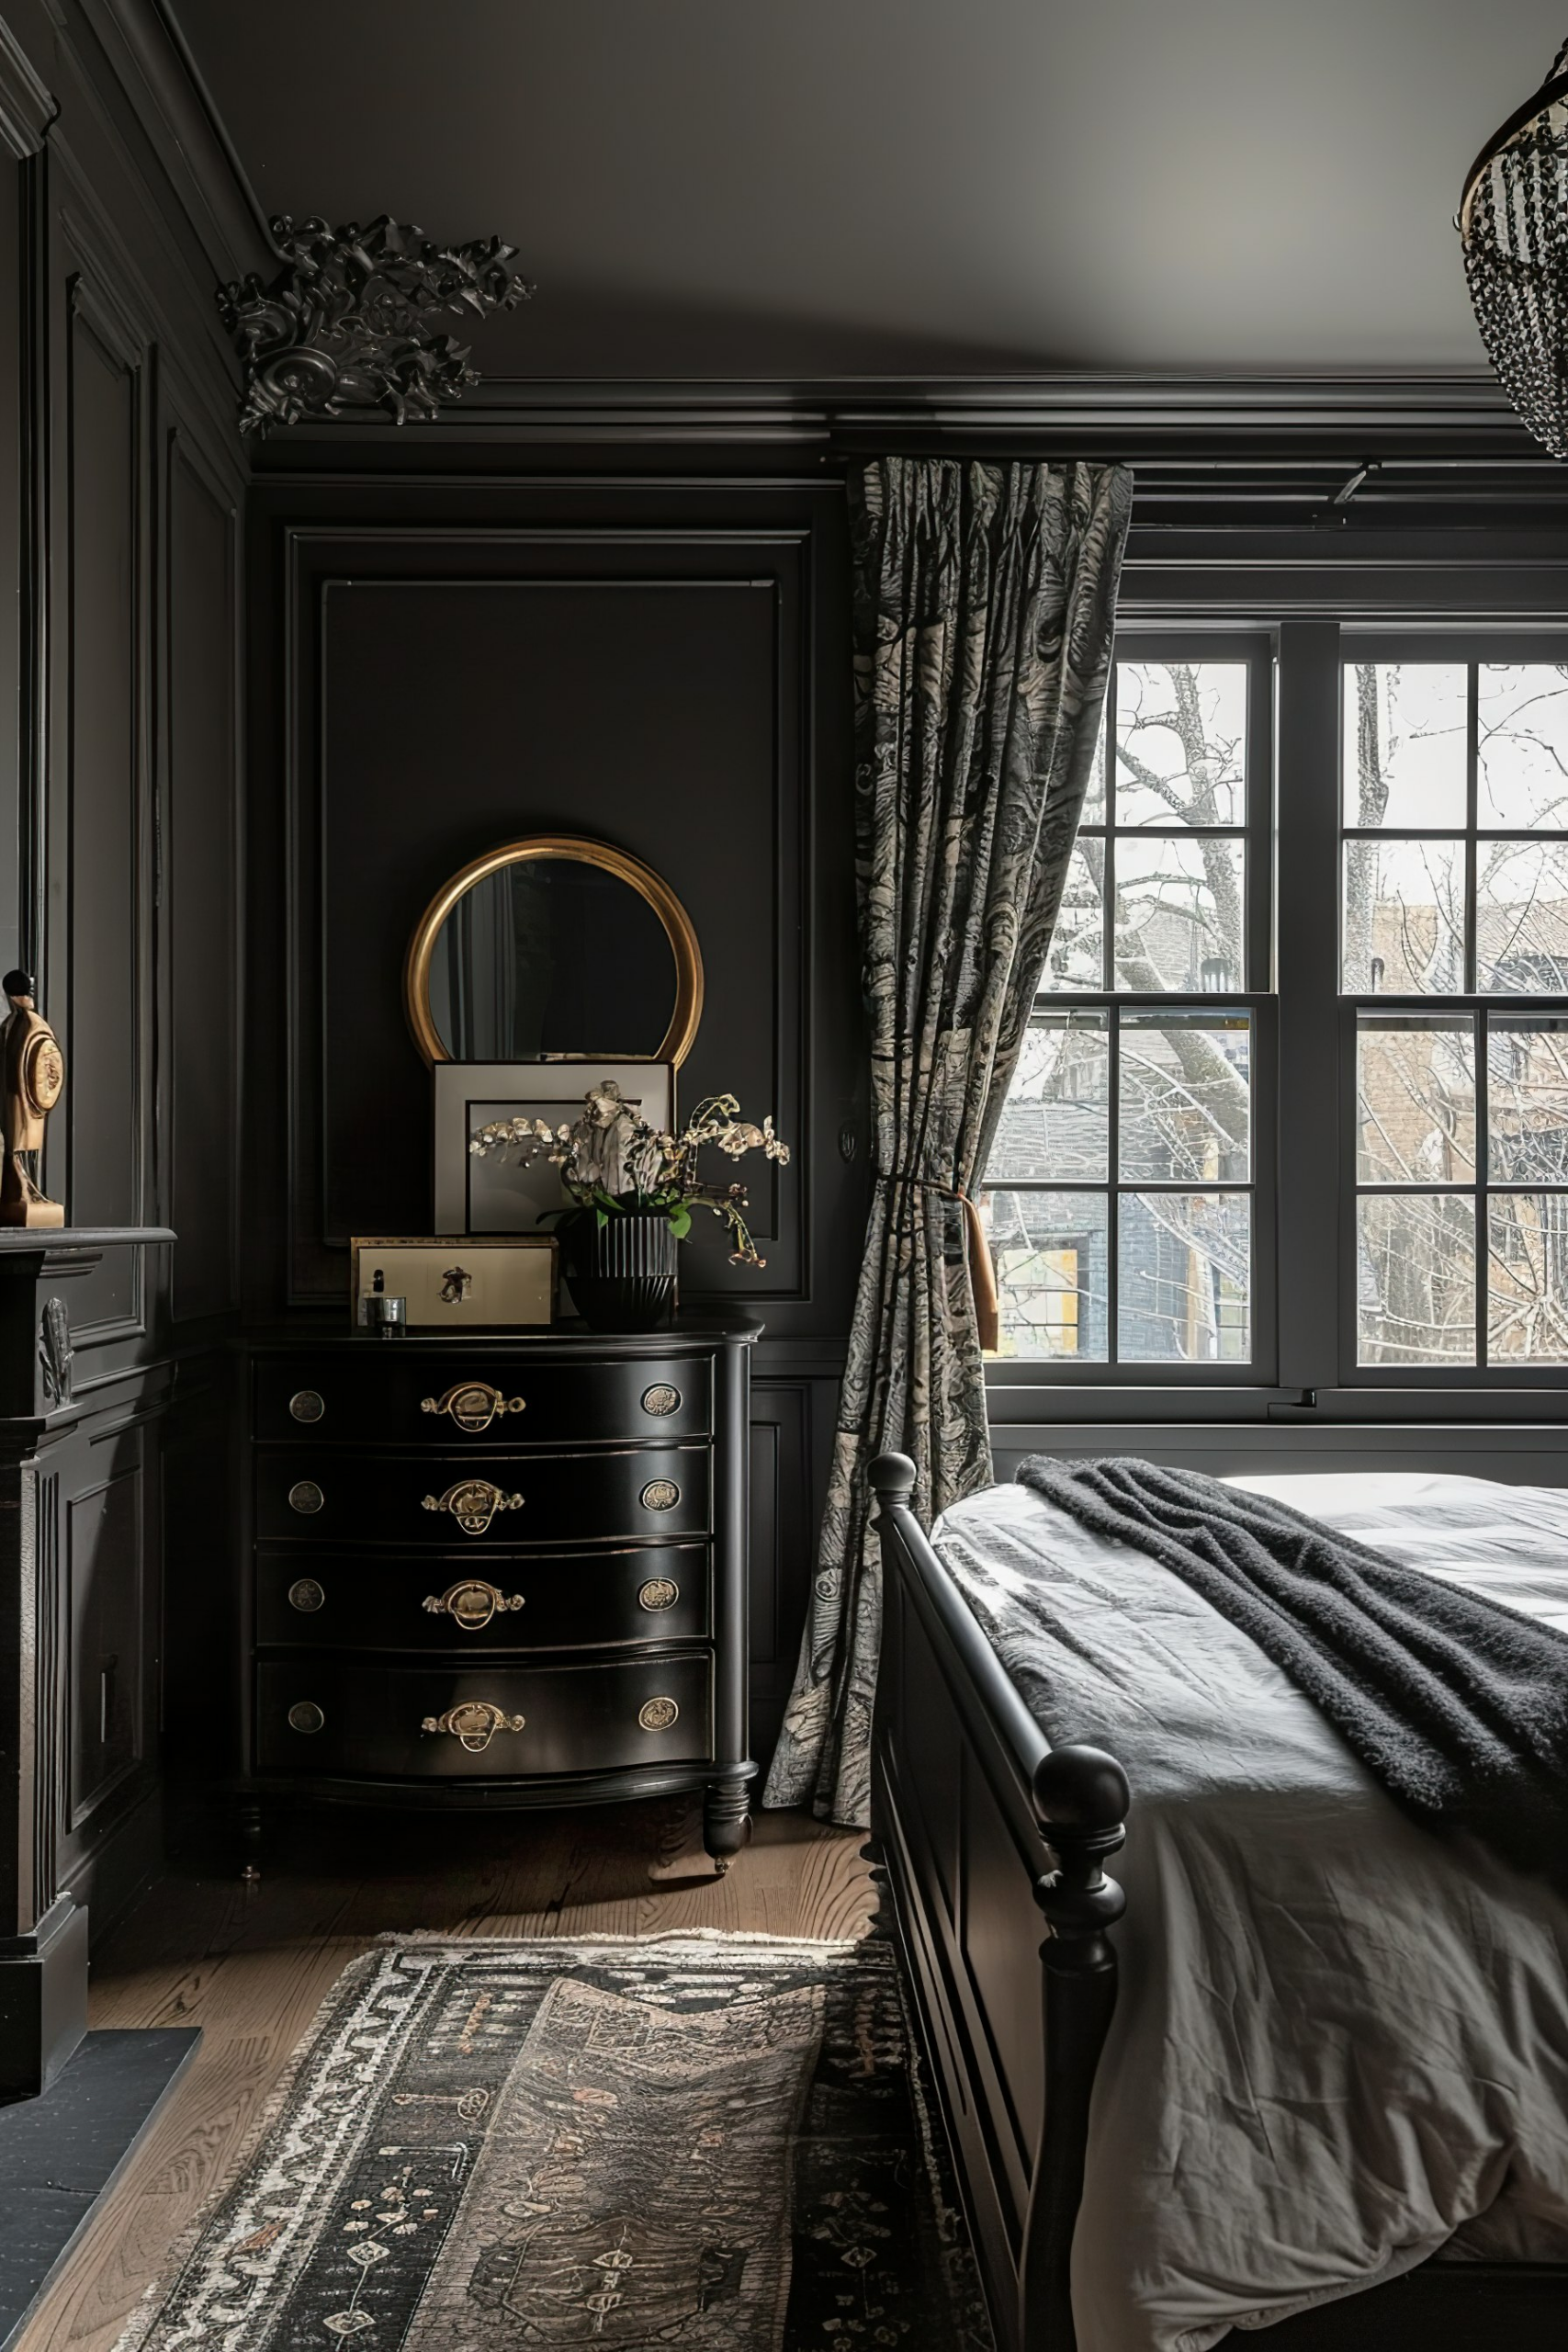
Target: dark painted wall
(121,496)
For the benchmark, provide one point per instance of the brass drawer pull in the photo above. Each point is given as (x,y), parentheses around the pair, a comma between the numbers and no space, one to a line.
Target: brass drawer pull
(660,1399)
(659,1593)
(472,1603)
(657,1714)
(473,1503)
(305,1715)
(305,1496)
(661,1493)
(474,1723)
(305,1594)
(306,1405)
(473,1404)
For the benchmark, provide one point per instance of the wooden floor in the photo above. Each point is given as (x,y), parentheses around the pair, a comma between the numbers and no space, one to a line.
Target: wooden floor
(249,1965)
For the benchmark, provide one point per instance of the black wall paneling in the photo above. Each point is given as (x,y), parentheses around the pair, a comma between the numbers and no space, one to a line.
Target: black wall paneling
(121,508)
(200,878)
(662,666)
(654,684)
(98,911)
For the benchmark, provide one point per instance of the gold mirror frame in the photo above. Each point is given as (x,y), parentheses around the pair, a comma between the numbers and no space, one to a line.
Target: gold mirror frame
(642,878)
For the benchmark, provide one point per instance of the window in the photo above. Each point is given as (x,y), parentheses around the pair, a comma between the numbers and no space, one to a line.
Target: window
(1455,887)
(1121,1193)
(1291,1111)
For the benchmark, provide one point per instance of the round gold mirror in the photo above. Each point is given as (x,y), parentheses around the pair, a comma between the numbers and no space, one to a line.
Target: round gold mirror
(550,949)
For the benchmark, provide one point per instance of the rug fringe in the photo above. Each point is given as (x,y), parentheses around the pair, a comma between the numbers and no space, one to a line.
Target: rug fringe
(417,1936)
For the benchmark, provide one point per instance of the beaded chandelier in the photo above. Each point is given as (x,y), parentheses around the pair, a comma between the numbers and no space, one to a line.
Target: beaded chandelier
(1513,222)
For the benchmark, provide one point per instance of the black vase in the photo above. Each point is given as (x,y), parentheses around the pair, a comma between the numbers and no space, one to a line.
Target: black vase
(622,1272)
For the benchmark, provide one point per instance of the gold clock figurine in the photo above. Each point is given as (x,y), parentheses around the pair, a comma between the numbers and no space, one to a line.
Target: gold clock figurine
(34,1081)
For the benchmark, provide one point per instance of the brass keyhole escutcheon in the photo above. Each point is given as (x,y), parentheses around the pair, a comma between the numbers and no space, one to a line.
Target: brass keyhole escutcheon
(473,1503)
(305,1594)
(472,1603)
(659,1593)
(474,1723)
(305,1715)
(473,1404)
(657,1714)
(661,1493)
(305,1496)
(306,1405)
(660,1399)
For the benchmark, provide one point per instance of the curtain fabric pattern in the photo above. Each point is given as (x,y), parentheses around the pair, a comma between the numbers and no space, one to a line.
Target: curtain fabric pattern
(983,607)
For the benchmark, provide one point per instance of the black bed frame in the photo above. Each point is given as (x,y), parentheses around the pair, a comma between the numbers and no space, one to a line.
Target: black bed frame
(986,1832)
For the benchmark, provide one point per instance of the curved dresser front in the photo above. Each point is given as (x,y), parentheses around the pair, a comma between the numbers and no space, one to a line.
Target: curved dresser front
(505,1570)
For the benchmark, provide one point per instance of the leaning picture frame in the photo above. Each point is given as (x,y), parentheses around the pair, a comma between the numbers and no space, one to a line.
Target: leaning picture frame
(495,1193)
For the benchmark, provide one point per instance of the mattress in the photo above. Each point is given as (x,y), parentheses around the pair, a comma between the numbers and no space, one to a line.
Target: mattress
(1340,2043)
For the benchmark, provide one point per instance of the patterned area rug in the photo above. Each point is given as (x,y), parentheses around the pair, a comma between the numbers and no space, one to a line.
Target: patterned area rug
(690,2142)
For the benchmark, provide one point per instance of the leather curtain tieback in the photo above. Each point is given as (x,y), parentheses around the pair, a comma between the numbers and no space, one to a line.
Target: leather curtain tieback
(977,1251)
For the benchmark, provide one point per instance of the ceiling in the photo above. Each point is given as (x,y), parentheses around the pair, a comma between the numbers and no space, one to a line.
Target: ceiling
(803,188)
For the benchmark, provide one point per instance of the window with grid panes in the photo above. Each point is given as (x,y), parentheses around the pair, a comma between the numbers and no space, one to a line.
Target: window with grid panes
(1123,1196)
(1454,911)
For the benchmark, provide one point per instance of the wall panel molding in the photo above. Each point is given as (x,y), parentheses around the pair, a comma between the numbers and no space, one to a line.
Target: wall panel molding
(27,106)
(99,919)
(200,881)
(548,570)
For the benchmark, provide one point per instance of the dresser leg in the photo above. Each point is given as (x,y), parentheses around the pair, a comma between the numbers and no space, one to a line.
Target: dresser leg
(725,1820)
(248,1824)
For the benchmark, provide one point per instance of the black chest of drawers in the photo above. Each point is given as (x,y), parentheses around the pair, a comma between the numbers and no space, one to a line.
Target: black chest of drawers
(501,1571)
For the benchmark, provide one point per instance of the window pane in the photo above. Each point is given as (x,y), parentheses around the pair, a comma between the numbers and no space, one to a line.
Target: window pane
(1522,745)
(1414,1098)
(1077,943)
(1526,1099)
(1181,743)
(1178,914)
(1416,1279)
(1185,1096)
(1051,1251)
(1405,726)
(1521,917)
(1527,1274)
(1405,918)
(1056,1119)
(1094,797)
(1184,1278)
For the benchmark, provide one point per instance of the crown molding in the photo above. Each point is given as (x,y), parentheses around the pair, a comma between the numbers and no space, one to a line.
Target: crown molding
(27,104)
(145,49)
(1357,417)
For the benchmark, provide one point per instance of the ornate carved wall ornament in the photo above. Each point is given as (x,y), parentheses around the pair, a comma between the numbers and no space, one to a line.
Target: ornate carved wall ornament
(348,323)
(56,1354)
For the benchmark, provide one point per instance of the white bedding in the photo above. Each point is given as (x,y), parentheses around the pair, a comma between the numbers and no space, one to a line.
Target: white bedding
(1339,2040)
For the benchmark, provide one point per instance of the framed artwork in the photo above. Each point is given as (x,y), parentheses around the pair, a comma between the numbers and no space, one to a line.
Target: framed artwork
(499,1193)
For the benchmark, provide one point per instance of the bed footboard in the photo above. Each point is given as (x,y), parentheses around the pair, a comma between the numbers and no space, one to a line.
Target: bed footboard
(988,1833)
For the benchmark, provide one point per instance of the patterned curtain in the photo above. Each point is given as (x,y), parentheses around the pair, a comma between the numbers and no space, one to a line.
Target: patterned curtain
(984,601)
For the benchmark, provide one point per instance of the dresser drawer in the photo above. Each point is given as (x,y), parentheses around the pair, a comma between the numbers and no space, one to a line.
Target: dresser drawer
(569,1600)
(446,1501)
(383,1393)
(321,1714)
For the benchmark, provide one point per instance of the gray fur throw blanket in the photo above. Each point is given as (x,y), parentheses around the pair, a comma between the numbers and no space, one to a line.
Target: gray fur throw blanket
(1458,1705)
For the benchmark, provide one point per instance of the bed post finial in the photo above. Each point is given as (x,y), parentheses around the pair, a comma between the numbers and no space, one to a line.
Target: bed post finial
(1081,1797)
(893,1479)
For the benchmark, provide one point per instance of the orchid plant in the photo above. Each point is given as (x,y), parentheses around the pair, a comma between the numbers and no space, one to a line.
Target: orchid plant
(613,1162)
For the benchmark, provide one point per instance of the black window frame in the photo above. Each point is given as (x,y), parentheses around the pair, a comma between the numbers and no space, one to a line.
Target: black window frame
(1316,611)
